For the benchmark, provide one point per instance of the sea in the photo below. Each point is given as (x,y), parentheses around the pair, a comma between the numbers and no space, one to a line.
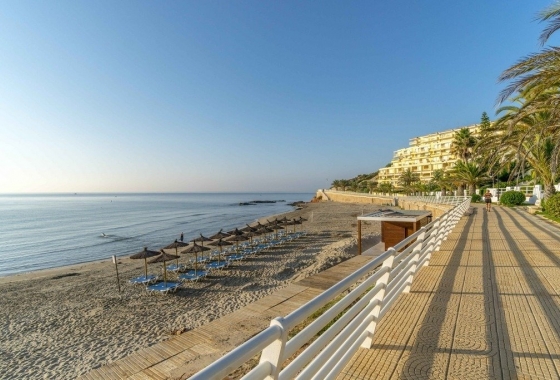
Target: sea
(53,230)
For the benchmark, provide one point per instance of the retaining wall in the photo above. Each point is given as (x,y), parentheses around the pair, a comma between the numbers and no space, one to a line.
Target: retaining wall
(404,203)
(348,197)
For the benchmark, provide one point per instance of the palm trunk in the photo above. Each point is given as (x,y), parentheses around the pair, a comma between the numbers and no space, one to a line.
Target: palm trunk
(549,190)
(460,190)
(472,189)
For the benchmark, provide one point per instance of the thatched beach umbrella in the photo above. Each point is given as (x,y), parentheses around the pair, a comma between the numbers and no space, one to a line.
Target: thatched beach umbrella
(301,219)
(176,244)
(201,240)
(249,229)
(219,235)
(288,223)
(265,230)
(236,232)
(296,222)
(220,243)
(251,235)
(162,258)
(275,226)
(196,249)
(237,239)
(284,222)
(145,254)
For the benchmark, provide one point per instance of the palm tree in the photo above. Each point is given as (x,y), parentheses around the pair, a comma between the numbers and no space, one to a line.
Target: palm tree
(440,178)
(523,134)
(469,173)
(463,144)
(407,179)
(386,187)
(336,184)
(536,80)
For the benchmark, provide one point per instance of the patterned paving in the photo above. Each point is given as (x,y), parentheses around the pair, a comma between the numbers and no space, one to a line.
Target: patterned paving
(487,307)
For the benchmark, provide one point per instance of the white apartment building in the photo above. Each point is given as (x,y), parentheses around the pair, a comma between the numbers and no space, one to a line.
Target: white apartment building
(424,155)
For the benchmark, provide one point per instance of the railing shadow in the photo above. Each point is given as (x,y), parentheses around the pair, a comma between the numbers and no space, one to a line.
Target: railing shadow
(546,301)
(496,327)
(425,347)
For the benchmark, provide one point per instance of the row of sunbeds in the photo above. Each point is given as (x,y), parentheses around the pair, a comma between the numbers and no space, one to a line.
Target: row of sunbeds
(216,260)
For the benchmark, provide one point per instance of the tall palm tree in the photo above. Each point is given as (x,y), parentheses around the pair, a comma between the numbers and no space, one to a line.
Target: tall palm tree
(523,134)
(463,144)
(407,179)
(440,178)
(336,184)
(536,80)
(386,187)
(469,173)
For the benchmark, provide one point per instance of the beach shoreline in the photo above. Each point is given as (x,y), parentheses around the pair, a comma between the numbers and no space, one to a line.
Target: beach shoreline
(62,322)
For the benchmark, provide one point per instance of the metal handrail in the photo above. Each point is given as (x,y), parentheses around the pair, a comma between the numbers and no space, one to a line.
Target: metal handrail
(360,310)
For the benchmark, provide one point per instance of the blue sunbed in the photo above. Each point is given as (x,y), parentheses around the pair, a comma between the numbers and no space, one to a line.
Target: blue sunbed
(144,280)
(192,276)
(164,287)
(217,264)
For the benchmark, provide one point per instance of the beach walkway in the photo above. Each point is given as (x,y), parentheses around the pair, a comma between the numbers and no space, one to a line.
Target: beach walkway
(487,307)
(185,354)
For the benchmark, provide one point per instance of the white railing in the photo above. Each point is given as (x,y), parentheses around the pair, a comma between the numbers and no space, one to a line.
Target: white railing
(448,200)
(359,311)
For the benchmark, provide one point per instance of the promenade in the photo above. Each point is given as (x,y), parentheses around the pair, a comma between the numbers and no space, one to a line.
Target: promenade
(487,307)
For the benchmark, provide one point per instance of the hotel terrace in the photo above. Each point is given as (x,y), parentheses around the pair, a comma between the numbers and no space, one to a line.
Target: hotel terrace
(424,155)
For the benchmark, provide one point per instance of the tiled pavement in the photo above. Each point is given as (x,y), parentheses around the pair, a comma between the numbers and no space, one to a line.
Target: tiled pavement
(487,307)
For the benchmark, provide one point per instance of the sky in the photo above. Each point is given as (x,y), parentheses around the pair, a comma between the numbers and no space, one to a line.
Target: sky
(240,96)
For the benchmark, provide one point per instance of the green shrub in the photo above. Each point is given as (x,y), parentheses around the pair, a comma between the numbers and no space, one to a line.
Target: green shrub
(552,205)
(512,198)
(476,198)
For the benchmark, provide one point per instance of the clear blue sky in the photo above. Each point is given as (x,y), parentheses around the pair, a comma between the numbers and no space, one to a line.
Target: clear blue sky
(181,96)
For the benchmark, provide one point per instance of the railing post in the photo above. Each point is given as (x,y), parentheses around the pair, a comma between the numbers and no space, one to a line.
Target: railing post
(387,266)
(274,353)
(435,240)
(441,231)
(416,251)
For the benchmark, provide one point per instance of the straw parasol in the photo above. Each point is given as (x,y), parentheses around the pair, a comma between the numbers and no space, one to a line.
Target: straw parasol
(236,232)
(162,258)
(176,244)
(301,219)
(296,222)
(275,226)
(145,254)
(285,222)
(201,240)
(219,235)
(265,230)
(251,234)
(220,243)
(249,229)
(237,239)
(288,223)
(196,249)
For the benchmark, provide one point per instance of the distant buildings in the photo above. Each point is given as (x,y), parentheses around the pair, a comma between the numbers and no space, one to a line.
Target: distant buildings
(424,155)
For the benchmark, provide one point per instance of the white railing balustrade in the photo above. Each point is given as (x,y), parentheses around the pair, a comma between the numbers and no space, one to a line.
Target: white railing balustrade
(372,290)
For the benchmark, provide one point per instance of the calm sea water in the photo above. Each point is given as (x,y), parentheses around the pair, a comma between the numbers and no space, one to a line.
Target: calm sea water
(46,231)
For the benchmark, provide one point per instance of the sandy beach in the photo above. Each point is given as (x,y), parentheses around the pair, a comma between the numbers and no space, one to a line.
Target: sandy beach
(61,323)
